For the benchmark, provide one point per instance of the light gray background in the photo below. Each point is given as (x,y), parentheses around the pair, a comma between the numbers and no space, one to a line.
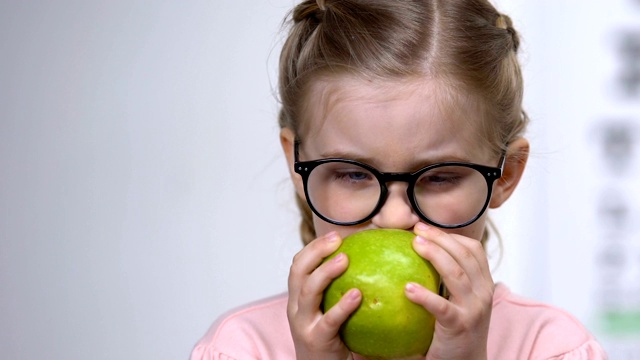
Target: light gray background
(142,189)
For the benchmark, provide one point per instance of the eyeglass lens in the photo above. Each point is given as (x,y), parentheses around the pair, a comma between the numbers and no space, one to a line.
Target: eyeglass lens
(446,195)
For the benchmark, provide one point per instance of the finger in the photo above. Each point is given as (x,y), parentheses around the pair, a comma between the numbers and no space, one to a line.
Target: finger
(470,256)
(451,272)
(443,310)
(312,290)
(308,259)
(334,318)
(468,253)
(463,249)
(480,254)
(479,273)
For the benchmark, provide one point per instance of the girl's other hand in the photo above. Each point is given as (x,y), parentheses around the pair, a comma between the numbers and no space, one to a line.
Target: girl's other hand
(316,335)
(462,321)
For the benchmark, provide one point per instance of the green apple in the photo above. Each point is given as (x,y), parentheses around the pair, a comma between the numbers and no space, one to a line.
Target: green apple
(386,324)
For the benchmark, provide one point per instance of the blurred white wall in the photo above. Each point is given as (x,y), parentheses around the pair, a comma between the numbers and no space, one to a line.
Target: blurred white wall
(142,189)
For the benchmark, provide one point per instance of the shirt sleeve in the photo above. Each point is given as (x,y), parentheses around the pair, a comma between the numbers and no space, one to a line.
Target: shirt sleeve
(204,352)
(590,350)
(229,338)
(523,328)
(259,330)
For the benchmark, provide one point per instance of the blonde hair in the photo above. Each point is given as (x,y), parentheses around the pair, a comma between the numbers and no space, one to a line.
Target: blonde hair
(467,44)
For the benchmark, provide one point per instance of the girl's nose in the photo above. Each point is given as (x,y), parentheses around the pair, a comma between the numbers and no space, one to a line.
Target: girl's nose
(396,212)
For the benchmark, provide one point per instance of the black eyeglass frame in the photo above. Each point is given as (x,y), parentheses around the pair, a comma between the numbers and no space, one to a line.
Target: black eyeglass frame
(490,174)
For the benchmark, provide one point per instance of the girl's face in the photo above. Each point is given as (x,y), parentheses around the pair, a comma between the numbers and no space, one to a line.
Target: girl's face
(394,126)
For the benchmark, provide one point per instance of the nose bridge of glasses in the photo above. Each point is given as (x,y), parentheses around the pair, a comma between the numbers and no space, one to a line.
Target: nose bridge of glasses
(396,209)
(395,176)
(391,177)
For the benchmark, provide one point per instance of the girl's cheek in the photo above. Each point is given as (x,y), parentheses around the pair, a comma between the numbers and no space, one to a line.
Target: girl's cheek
(323,227)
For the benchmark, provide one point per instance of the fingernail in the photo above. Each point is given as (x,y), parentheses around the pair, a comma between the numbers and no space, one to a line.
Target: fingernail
(353,294)
(422,226)
(421,240)
(332,237)
(338,257)
(411,287)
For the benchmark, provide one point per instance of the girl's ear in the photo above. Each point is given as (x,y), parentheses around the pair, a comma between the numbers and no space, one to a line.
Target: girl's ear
(287,139)
(517,155)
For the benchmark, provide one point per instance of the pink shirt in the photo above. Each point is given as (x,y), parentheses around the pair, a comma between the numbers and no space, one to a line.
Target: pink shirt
(519,329)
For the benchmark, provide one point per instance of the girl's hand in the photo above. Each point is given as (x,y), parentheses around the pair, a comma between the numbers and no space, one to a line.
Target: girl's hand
(315,334)
(462,321)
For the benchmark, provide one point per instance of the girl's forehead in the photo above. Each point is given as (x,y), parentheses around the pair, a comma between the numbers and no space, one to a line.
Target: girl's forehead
(329,94)
(415,114)
(351,87)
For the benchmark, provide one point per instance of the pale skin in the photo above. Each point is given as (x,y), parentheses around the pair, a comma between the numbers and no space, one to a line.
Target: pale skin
(395,126)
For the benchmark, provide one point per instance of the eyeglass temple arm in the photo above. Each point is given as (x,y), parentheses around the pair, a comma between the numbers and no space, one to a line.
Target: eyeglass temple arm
(296,145)
(503,160)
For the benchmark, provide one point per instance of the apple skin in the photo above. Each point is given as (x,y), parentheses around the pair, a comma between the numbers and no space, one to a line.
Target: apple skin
(387,324)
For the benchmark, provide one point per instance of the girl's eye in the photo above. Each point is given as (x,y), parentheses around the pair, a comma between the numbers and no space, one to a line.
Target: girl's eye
(353,175)
(441,179)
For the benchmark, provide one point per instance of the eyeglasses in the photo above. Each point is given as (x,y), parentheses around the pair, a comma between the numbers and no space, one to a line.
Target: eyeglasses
(347,192)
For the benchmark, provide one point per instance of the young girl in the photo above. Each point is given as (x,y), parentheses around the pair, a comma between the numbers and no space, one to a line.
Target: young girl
(431,89)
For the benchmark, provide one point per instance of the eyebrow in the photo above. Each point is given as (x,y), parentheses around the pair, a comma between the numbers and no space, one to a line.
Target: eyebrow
(415,164)
(346,155)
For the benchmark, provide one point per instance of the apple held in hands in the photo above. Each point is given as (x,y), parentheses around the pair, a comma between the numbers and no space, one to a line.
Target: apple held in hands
(387,324)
